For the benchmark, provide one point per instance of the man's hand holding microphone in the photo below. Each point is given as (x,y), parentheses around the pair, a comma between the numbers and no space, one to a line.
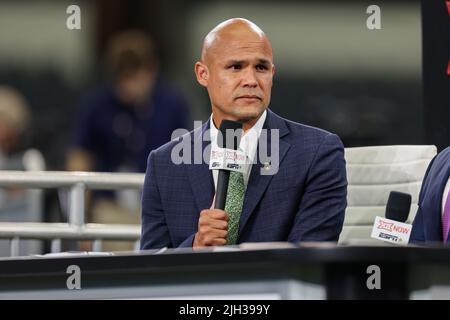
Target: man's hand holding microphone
(213,222)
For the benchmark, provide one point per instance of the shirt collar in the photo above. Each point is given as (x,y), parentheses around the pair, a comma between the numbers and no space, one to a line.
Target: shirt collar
(249,140)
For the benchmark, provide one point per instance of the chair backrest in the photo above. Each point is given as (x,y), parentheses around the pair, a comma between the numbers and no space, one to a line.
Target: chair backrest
(372,173)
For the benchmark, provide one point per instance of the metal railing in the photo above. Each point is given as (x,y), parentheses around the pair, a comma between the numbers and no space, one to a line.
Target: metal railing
(76,228)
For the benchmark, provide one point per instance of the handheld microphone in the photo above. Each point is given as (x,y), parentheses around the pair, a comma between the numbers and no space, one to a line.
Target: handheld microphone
(392,228)
(398,206)
(226,139)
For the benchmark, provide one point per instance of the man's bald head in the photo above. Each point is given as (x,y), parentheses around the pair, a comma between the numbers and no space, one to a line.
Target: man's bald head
(237,69)
(236,29)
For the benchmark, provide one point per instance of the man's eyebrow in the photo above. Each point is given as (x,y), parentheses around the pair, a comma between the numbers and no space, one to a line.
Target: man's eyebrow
(264,62)
(230,62)
(261,61)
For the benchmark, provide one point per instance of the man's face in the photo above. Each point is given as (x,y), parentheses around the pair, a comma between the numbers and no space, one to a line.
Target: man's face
(133,89)
(239,78)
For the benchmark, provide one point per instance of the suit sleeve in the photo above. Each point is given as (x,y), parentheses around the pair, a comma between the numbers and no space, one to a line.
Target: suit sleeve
(188,242)
(321,211)
(418,228)
(155,233)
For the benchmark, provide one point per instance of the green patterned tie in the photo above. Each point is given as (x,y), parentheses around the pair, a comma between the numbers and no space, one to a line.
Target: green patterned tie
(233,204)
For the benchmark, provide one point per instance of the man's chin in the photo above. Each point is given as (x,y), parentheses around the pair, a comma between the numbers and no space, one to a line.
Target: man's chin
(249,113)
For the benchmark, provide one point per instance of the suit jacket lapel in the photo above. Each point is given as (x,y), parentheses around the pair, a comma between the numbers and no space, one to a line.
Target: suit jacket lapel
(200,177)
(258,183)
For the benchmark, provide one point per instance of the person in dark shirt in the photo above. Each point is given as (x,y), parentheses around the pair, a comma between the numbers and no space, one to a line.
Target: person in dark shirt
(137,112)
(121,123)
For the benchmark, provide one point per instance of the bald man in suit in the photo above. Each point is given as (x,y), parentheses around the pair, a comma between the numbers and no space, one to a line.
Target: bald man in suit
(304,200)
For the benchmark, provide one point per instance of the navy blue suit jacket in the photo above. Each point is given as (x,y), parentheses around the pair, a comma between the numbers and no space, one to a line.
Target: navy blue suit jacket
(304,201)
(427,225)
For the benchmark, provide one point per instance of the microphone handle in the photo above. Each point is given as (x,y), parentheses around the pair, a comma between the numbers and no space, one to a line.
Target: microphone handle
(222,189)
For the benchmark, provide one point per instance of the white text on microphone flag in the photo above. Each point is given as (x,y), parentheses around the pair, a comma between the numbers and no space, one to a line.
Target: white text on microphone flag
(227,159)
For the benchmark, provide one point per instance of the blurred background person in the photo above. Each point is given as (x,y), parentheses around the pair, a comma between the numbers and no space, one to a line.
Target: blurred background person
(120,123)
(135,113)
(14,120)
(15,130)
(18,205)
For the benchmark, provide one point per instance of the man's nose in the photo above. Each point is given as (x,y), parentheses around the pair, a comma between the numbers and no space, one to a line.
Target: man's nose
(249,78)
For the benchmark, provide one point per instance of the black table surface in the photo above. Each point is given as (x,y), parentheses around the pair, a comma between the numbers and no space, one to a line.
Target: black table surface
(301,254)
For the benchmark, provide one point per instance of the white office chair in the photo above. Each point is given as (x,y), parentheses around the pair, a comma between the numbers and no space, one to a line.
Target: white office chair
(372,173)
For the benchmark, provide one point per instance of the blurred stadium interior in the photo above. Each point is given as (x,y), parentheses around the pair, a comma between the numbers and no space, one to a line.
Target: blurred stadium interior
(332,72)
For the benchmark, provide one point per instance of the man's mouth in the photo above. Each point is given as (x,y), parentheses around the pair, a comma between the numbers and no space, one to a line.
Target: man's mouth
(249,96)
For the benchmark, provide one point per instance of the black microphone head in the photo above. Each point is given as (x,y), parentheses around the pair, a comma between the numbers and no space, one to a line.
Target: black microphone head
(229,134)
(398,206)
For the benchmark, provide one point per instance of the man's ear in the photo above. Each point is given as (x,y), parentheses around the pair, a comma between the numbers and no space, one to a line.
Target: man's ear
(273,69)
(202,73)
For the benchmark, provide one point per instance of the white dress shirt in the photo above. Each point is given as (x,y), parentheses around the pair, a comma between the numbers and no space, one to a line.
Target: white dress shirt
(444,196)
(248,144)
